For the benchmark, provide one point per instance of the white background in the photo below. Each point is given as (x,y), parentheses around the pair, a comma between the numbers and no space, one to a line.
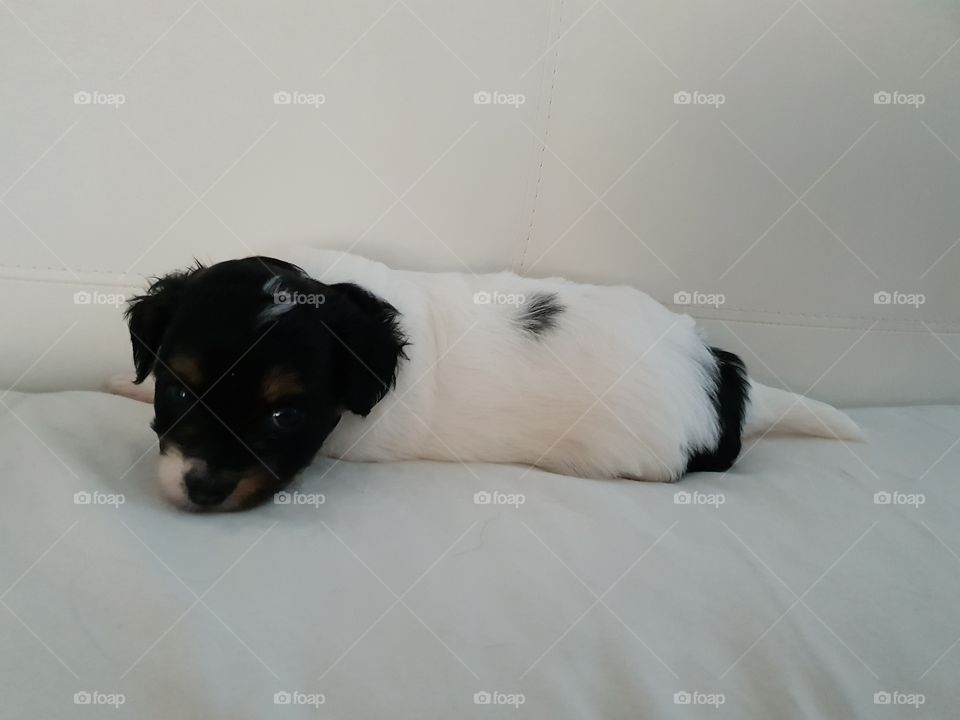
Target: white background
(797,199)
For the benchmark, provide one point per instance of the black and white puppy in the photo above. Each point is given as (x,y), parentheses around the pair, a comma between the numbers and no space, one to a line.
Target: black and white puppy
(259,364)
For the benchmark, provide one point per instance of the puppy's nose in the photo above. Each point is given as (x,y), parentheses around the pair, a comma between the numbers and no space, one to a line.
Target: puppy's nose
(203,489)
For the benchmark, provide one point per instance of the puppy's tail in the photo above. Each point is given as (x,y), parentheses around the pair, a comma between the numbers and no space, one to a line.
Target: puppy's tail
(773,410)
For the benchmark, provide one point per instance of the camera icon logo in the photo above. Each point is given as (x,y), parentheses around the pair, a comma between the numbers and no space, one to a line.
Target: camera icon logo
(882,298)
(82,297)
(82,98)
(282,97)
(82,498)
(682,98)
(682,298)
(482,698)
(882,98)
(282,498)
(482,298)
(682,697)
(82,698)
(282,697)
(482,498)
(682,497)
(482,97)
(882,498)
(882,697)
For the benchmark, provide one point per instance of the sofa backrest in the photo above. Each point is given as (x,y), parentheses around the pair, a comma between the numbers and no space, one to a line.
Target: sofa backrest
(788,173)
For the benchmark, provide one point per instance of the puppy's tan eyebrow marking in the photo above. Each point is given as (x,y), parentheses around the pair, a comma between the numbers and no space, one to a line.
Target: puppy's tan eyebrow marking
(187,368)
(280,383)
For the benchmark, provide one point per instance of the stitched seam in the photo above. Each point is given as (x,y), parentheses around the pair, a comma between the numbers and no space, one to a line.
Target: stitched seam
(543,148)
(679,308)
(6,266)
(895,331)
(70,281)
(684,309)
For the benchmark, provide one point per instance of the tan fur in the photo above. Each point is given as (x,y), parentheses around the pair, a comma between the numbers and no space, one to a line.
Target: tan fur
(280,383)
(251,489)
(187,368)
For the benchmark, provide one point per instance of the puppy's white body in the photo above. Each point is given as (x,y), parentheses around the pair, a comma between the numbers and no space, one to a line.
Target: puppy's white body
(616,385)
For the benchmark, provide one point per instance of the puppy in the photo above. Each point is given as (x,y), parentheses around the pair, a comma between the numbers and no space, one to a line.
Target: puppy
(259,364)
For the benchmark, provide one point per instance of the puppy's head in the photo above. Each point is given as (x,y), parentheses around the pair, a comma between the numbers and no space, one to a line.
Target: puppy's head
(255,362)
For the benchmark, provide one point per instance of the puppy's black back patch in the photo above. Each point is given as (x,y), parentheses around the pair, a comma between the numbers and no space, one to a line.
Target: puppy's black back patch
(539,313)
(729,396)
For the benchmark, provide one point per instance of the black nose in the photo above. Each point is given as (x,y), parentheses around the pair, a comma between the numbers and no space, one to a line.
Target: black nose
(203,489)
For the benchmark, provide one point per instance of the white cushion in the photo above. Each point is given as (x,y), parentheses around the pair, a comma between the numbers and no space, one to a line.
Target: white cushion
(799,596)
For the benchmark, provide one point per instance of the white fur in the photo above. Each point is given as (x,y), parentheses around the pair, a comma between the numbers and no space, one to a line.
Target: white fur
(274,290)
(616,388)
(171,470)
(774,410)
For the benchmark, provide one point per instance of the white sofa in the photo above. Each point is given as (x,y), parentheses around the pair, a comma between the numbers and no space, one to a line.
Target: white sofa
(741,163)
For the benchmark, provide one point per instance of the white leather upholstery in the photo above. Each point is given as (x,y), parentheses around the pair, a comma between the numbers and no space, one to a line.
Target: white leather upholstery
(796,597)
(797,199)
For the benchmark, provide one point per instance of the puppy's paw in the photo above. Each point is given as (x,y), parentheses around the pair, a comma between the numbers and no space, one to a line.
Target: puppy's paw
(124,386)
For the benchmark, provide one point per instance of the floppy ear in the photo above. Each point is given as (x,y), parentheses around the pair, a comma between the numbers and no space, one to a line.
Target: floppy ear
(368,345)
(148,316)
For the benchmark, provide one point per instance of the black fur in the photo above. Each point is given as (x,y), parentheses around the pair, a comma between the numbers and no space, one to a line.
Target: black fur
(148,316)
(729,394)
(370,331)
(340,353)
(539,313)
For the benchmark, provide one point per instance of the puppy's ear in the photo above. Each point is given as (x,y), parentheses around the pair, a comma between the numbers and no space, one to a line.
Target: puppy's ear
(148,316)
(368,344)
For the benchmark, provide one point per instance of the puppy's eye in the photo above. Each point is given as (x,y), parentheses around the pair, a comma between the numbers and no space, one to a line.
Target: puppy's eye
(177,394)
(286,419)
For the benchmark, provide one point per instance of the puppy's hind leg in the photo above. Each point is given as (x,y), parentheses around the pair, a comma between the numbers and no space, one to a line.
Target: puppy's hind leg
(124,386)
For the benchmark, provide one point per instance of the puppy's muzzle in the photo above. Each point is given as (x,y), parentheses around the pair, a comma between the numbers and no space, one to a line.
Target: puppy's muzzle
(207,490)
